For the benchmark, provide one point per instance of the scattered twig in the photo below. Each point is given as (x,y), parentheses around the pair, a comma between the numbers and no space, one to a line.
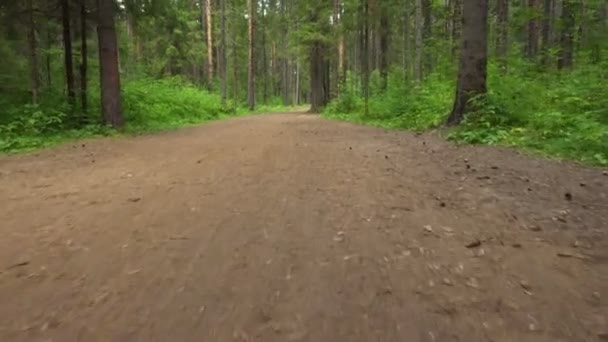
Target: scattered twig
(19,264)
(571,255)
(474,244)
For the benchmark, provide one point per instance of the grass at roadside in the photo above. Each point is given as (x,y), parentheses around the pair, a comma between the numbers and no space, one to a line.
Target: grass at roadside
(148,105)
(562,116)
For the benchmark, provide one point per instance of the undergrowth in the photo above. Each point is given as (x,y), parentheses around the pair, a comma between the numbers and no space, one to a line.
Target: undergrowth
(148,106)
(558,115)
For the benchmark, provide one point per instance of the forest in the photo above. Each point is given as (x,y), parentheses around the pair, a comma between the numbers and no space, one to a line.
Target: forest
(304,170)
(525,73)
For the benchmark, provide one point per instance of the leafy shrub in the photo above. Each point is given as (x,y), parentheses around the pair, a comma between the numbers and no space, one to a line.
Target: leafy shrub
(401,105)
(348,102)
(35,120)
(148,105)
(168,103)
(564,115)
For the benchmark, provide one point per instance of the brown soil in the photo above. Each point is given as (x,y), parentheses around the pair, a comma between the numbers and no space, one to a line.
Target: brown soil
(292,228)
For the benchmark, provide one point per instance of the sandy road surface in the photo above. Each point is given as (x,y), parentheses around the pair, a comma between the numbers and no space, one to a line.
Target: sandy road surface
(291,228)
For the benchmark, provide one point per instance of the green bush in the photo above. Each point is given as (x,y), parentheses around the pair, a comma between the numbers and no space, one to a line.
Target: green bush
(151,105)
(563,115)
(401,105)
(148,105)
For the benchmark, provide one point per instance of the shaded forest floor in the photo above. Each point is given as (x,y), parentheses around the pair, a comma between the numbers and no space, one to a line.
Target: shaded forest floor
(289,227)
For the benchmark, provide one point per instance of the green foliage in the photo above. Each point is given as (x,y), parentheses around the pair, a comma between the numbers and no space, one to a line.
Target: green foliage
(149,105)
(559,115)
(402,105)
(564,116)
(35,126)
(152,105)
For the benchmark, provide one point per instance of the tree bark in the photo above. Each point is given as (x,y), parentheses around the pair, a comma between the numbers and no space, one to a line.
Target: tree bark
(502,39)
(130,44)
(385,31)
(319,69)
(418,23)
(49,45)
(235,73)
(209,30)
(457,25)
(532,31)
(296,94)
(297,84)
(222,61)
(83,57)
(342,63)
(565,59)
(286,75)
(67,48)
(108,61)
(556,15)
(426,36)
(406,40)
(251,57)
(473,59)
(365,56)
(546,31)
(263,24)
(33,50)
(339,63)
(602,17)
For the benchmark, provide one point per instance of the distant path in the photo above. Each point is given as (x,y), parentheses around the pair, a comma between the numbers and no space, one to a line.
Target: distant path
(289,227)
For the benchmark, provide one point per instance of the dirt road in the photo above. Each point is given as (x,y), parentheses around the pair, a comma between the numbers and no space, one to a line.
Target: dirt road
(291,228)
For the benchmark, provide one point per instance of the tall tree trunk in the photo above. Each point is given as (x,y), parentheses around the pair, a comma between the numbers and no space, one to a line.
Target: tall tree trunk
(473,59)
(251,59)
(339,53)
(319,69)
(49,55)
(135,47)
(342,63)
(385,30)
(361,36)
(319,94)
(502,39)
(598,45)
(108,63)
(372,53)
(296,97)
(285,47)
(263,24)
(83,57)
(406,40)
(209,31)
(67,47)
(546,31)
(222,61)
(33,51)
(131,48)
(457,25)
(426,36)
(532,31)
(297,84)
(365,56)
(418,23)
(565,59)
(556,15)
(235,74)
